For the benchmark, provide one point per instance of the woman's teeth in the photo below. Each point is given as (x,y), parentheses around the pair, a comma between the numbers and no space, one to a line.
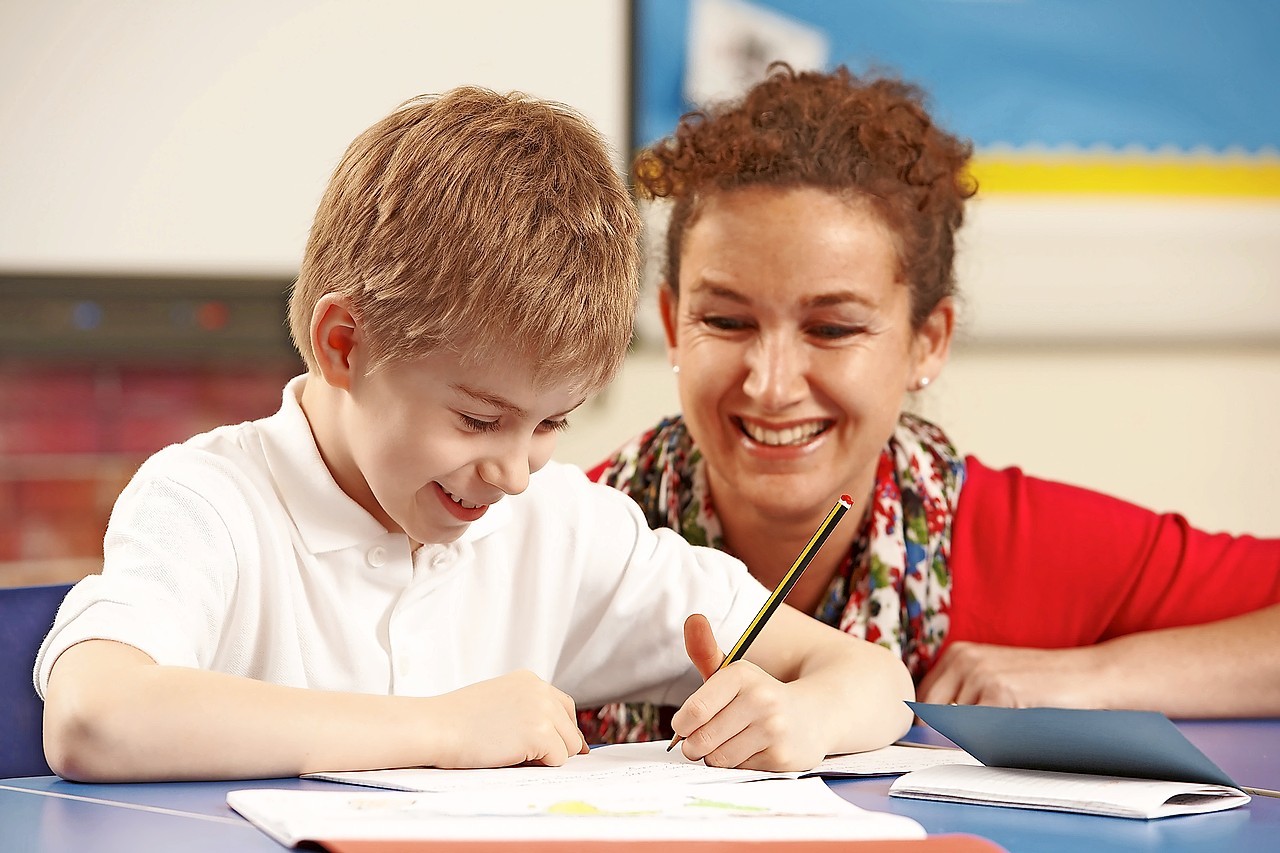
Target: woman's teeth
(783,437)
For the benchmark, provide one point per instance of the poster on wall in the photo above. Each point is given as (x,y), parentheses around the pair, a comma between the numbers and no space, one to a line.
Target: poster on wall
(1127,152)
(1083,96)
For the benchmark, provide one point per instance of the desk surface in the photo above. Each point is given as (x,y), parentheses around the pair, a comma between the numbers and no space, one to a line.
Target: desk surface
(44,814)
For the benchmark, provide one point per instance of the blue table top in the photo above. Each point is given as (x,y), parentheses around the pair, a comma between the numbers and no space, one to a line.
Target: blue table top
(44,814)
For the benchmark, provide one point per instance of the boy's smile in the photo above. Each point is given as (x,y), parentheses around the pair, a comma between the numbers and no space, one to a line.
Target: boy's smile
(462,510)
(427,446)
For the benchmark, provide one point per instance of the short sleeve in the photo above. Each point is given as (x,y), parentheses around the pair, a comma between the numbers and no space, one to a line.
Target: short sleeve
(168,565)
(1044,564)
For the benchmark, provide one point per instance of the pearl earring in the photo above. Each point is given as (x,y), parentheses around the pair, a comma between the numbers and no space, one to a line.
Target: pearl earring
(923,383)
(675,368)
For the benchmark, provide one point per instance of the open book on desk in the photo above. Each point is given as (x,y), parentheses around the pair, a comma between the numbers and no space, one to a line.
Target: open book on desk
(641,762)
(1133,764)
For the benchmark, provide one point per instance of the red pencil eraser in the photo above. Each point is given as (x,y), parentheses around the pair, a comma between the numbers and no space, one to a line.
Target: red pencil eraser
(846,500)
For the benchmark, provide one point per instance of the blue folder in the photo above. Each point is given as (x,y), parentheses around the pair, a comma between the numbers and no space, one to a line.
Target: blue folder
(1138,744)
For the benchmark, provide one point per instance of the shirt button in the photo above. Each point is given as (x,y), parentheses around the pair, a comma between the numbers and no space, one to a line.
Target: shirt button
(377,556)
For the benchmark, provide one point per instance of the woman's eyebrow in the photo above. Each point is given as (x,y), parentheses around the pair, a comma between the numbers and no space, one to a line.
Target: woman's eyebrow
(717,290)
(821,300)
(838,297)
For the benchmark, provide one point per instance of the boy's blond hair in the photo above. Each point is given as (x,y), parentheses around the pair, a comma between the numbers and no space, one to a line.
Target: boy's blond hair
(489,225)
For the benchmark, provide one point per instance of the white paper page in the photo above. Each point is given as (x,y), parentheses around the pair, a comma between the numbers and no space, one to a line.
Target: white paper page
(777,809)
(605,766)
(891,760)
(1075,792)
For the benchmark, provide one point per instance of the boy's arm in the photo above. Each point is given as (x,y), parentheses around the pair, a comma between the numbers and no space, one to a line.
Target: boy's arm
(804,691)
(113,715)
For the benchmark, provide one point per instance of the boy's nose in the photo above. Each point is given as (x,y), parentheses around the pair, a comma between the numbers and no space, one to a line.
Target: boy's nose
(507,470)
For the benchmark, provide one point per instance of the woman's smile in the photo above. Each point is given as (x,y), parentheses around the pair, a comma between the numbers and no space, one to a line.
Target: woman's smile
(788,435)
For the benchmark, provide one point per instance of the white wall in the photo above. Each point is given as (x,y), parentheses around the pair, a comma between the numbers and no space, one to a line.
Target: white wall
(186,136)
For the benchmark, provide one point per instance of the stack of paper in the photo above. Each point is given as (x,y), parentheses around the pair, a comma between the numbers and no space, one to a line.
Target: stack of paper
(1133,764)
(1066,792)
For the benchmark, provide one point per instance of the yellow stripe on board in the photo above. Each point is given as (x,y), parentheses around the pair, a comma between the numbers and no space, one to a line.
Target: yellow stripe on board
(1084,174)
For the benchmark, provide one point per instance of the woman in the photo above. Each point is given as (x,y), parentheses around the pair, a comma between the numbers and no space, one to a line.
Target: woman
(808,289)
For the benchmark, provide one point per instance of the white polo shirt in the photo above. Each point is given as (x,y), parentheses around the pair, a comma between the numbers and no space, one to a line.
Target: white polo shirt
(236,551)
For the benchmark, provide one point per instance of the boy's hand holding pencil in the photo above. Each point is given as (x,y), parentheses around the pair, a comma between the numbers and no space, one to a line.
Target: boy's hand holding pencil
(741,713)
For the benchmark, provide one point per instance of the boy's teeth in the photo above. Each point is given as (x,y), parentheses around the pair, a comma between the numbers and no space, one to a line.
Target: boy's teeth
(460,502)
(783,437)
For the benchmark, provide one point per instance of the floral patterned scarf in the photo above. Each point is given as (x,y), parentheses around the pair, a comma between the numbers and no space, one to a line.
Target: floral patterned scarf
(892,588)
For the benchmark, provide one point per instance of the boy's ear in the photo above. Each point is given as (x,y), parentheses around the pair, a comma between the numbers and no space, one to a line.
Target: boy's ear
(335,335)
(932,343)
(667,303)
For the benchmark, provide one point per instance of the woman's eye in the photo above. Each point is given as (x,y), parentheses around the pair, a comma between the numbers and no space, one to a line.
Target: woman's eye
(555,426)
(725,324)
(477,425)
(833,332)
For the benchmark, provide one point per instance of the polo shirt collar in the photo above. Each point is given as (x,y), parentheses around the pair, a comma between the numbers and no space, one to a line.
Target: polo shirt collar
(327,518)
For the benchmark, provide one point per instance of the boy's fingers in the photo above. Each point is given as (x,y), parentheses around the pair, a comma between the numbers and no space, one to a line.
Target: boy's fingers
(700,645)
(739,750)
(574,742)
(723,722)
(704,707)
(567,701)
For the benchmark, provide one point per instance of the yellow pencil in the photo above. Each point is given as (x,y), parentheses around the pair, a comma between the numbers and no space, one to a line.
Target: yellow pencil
(784,586)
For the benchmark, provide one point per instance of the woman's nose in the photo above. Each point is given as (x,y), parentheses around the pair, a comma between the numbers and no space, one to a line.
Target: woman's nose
(775,373)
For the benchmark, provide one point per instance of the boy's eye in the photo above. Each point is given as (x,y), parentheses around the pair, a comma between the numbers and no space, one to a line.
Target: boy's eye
(478,425)
(555,426)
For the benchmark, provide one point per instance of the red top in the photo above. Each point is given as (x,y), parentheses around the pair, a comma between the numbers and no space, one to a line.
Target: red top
(1043,564)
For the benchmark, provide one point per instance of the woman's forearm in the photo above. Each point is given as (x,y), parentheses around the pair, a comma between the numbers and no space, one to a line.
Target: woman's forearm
(1229,668)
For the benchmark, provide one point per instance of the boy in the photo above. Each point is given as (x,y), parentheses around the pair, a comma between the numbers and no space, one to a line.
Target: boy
(387,572)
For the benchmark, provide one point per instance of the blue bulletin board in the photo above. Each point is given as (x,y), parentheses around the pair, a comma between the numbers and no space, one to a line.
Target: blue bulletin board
(1131,96)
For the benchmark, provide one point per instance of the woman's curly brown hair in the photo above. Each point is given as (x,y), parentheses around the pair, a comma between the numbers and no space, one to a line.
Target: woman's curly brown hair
(861,138)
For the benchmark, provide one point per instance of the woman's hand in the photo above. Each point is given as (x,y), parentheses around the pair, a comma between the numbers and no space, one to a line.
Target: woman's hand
(1211,670)
(980,674)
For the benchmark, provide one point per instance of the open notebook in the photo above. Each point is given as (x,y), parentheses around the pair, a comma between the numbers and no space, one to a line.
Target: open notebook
(1133,764)
(636,791)
(787,809)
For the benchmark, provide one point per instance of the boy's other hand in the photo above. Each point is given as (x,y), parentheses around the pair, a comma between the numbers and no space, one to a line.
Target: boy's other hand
(513,719)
